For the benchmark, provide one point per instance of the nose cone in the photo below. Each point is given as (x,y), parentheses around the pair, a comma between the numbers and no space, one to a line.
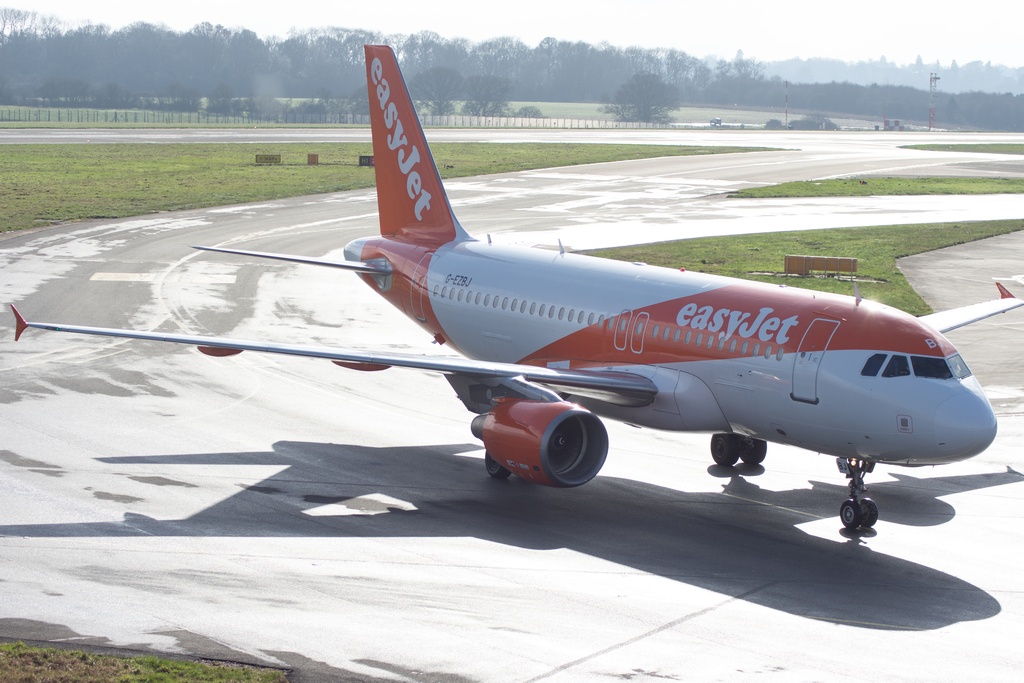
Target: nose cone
(964,424)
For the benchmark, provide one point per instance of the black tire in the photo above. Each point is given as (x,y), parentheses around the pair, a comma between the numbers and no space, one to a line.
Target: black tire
(850,514)
(753,451)
(494,468)
(869,511)
(725,449)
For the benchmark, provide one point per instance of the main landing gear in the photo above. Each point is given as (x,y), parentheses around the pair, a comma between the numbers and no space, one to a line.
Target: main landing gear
(728,449)
(494,468)
(857,510)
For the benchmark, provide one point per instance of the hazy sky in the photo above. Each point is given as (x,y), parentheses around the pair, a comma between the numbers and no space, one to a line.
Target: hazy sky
(900,30)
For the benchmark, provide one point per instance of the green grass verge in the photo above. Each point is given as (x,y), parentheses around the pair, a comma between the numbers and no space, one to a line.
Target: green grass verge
(986,148)
(44,184)
(20,663)
(868,187)
(760,257)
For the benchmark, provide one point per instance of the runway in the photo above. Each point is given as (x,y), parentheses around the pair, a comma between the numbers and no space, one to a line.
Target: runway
(288,512)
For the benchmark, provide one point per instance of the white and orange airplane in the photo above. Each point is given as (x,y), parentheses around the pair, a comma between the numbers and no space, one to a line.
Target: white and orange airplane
(551,340)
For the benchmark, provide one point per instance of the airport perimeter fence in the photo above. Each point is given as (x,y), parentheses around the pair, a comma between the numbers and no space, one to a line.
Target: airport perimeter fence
(158,118)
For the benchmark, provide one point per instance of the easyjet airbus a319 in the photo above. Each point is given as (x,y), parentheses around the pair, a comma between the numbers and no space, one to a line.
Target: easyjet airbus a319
(551,340)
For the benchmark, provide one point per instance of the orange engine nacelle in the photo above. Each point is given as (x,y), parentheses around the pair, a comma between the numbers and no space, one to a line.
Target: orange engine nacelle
(554,444)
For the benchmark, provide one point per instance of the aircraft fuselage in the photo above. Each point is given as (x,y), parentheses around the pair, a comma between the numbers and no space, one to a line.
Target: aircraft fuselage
(770,362)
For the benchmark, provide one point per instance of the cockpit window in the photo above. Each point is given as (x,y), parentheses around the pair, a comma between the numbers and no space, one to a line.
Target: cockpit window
(897,367)
(873,364)
(924,366)
(927,366)
(958,367)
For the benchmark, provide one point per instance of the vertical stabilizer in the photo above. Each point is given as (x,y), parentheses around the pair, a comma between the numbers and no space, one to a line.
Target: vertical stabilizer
(410,197)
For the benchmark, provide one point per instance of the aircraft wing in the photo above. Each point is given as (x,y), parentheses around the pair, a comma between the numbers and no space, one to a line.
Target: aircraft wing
(959,317)
(627,387)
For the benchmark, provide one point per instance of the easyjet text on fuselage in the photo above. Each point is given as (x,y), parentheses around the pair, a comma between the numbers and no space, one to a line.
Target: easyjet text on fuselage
(727,322)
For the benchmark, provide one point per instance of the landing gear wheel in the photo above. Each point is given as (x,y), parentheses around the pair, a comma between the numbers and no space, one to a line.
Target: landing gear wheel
(870,512)
(725,449)
(753,451)
(494,468)
(857,510)
(850,514)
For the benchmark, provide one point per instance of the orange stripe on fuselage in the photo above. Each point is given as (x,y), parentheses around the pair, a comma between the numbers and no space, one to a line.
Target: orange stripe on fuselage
(735,318)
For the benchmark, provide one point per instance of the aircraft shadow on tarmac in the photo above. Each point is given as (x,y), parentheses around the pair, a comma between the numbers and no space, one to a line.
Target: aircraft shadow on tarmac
(742,543)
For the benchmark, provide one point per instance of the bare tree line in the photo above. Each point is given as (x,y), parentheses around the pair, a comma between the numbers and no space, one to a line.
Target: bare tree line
(230,70)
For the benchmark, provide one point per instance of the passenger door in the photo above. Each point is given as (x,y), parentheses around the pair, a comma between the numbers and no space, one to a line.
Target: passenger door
(807,360)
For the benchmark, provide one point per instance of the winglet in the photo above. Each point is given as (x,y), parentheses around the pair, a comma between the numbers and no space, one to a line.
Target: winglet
(19,323)
(1004,293)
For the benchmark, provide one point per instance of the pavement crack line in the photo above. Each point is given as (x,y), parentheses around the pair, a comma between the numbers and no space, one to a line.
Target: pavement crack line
(652,632)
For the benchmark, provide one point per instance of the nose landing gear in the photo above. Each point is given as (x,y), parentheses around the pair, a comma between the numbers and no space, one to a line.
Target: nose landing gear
(857,510)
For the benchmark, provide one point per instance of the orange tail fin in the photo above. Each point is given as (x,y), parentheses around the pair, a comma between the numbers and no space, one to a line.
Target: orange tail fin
(410,197)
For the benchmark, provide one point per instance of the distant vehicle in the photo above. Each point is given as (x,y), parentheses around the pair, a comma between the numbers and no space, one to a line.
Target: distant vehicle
(716,122)
(553,339)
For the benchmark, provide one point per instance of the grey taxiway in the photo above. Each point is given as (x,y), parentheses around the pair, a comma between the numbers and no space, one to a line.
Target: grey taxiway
(291,513)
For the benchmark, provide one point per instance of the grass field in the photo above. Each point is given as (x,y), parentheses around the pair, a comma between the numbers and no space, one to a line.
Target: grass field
(20,663)
(52,183)
(990,148)
(760,257)
(867,187)
(875,186)
(45,184)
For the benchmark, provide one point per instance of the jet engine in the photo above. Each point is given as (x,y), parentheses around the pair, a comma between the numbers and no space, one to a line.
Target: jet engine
(554,444)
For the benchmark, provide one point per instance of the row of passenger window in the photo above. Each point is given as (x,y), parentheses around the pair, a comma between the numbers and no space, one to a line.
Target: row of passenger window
(735,347)
(580,317)
(923,366)
(551,311)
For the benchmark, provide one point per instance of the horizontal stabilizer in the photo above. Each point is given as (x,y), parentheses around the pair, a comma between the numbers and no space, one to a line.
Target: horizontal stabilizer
(381,268)
(965,315)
